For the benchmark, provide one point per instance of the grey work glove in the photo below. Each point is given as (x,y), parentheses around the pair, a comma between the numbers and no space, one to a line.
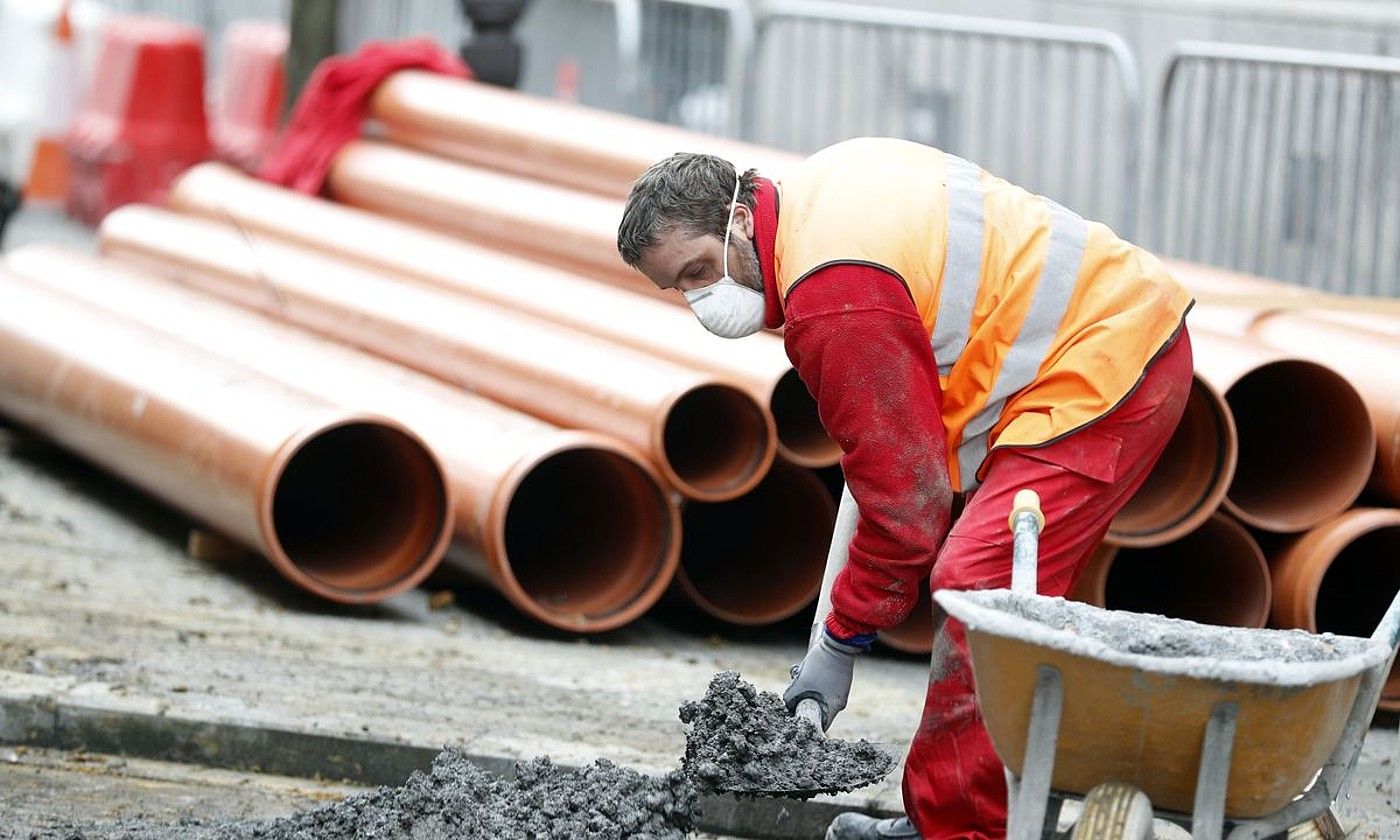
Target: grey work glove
(824,675)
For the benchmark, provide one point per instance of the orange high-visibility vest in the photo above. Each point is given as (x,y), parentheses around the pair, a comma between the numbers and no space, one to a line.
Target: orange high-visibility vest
(1041,322)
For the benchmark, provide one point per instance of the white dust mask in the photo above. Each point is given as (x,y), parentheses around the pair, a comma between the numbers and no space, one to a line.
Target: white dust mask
(726,307)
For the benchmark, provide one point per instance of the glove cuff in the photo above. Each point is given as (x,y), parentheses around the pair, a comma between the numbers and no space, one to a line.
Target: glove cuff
(838,630)
(851,644)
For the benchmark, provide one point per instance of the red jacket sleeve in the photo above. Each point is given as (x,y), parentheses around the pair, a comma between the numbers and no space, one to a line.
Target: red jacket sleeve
(856,340)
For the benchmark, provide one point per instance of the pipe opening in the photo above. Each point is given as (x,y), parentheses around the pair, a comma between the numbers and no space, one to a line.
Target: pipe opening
(801,437)
(1357,588)
(1306,446)
(717,442)
(587,535)
(1214,575)
(759,558)
(1189,480)
(359,508)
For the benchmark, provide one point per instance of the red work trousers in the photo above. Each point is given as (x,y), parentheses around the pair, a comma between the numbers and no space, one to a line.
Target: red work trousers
(954,787)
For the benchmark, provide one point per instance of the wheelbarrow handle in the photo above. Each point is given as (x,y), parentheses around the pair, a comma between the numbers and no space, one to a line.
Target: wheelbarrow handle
(1026,522)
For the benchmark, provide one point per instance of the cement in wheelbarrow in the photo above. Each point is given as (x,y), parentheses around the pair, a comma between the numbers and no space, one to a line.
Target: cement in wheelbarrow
(1138,691)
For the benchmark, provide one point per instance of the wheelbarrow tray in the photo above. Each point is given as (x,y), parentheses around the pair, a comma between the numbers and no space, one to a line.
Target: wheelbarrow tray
(1139,690)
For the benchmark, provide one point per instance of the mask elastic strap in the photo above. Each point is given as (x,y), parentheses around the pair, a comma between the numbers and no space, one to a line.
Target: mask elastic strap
(733,202)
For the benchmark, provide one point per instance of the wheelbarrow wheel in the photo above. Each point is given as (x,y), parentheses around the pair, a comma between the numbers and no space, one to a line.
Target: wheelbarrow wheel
(1325,827)
(1115,811)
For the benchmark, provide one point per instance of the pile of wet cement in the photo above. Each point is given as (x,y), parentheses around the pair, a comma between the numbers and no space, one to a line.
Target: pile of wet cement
(740,739)
(744,740)
(457,800)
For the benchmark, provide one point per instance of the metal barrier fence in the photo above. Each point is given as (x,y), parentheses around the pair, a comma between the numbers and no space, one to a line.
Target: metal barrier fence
(1053,108)
(684,61)
(358,21)
(1283,163)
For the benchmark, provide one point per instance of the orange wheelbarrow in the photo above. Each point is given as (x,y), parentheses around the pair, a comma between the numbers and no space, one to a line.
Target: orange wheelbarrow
(1238,734)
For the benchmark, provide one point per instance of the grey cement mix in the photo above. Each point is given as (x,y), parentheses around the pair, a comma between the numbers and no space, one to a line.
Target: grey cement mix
(1158,645)
(740,739)
(457,800)
(744,740)
(1153,635)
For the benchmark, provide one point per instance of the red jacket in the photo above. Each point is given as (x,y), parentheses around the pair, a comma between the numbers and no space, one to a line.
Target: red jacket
(858,343)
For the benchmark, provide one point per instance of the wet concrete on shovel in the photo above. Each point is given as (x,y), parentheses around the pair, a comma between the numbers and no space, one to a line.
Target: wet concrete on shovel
(744,740)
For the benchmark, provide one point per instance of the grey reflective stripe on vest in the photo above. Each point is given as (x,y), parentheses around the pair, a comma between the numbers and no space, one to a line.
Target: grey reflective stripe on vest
(962,263)
(1049,300)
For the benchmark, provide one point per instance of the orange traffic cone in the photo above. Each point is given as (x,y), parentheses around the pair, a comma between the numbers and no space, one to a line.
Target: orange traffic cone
(48,171)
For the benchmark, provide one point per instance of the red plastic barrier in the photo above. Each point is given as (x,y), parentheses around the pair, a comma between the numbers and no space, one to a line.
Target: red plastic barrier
(143,120)
(250,90)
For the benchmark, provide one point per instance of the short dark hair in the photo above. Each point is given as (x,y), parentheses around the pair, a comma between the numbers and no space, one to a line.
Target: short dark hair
(687,191)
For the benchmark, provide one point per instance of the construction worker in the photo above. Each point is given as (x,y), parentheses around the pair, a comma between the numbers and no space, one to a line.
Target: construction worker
(960,335)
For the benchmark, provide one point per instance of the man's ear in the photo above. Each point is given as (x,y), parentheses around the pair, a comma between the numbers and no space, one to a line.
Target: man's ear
(743,219)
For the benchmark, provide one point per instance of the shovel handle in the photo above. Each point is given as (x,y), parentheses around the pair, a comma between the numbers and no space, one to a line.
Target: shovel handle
(1026,522)
(811,711)
(1026,501)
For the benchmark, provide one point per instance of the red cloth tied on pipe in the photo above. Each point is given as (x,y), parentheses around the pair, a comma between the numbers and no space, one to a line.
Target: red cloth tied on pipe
(333,105)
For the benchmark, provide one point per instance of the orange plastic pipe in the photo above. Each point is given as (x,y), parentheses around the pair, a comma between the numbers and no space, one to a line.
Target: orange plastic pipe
(567,228)
(348,505)
(1370,361)
(759,362)
(1339,578)
(759,558)
(1306,444)
(571,526)
(569,144)
(1189,481)
(1208,282)
(1214,575)
(707,437)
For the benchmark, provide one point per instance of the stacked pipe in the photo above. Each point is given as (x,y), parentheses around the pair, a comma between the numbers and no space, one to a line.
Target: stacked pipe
(573,528)
(1275,440)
